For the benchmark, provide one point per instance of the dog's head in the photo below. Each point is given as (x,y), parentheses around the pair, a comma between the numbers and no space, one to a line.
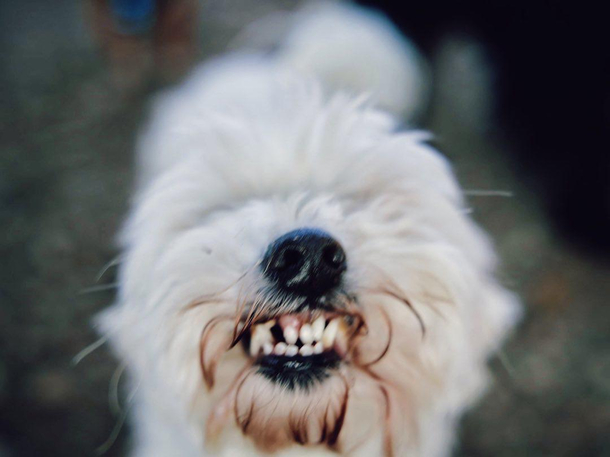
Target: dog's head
(306,277)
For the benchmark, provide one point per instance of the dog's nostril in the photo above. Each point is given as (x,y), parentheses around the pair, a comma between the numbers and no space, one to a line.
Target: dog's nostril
(305,261)
(333,256)
(286,258)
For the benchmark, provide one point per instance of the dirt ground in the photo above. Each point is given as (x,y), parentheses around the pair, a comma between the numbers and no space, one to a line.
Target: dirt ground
(66,141)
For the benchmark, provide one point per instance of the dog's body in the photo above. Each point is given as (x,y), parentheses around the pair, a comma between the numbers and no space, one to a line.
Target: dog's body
(253,161)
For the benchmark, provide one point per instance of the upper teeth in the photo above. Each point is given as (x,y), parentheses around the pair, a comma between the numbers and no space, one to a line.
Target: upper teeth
(260,335)
(291,335)
(306,334)
(330,332)
(318,348)
(317,328)
(314,337)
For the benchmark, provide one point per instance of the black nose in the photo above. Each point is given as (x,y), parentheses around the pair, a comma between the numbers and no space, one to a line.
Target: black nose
(305,261)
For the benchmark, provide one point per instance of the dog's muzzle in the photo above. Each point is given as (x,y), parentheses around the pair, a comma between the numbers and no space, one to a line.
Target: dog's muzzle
(301,346)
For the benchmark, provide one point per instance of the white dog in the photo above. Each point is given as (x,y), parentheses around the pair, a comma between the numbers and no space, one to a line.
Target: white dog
(300,276)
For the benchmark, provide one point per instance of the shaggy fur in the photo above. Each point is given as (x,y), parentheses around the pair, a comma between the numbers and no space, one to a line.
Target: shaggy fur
(254,146)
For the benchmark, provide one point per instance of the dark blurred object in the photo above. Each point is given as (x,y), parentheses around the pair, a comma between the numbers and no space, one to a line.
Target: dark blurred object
(552,69)
(143,39)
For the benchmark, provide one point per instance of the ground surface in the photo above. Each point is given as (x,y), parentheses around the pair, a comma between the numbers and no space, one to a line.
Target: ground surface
(66,142)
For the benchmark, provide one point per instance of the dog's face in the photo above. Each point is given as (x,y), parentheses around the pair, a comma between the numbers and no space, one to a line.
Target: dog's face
(330,293)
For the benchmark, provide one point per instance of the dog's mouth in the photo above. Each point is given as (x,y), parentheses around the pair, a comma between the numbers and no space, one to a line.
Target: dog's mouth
(298,350)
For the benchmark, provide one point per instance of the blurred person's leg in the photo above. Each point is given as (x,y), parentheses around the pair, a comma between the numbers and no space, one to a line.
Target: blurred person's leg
(142,37)
(175,38)
(124,40)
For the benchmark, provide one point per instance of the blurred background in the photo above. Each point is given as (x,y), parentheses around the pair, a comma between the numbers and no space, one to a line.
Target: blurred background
(520,104)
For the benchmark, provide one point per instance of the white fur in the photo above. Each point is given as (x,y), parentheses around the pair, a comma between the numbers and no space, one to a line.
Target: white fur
(324,38)
(250,148)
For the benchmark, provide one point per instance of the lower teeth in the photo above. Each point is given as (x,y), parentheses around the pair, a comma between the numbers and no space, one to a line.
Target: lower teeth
(292,350)
(306,350)
(280,348)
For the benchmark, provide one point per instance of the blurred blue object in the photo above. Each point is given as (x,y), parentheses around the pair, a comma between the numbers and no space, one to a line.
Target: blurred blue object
(133,17)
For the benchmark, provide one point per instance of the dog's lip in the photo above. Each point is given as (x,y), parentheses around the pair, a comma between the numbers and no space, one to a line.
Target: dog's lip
(298,371)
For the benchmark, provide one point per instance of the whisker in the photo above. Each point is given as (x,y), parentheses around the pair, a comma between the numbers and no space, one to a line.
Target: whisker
(116,261)
(100,288)
(405,301)
(389,342)
(113,389)
(422,325)
(114,434)
(333,437)
(241,306)
(255,312)
(208,369)
(132,394)
(242,424)
(387,431)
(489,193)
(397,294)
(89,350)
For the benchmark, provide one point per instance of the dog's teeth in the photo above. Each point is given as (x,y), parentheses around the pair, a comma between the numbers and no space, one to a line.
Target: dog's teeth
(262,332)
(306,350)
(318,348)
(317,328)
(292,350)
(267,348)
(280,348)
(254,348)
(328,338)
(306,334)
(291,335)
(260,336)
